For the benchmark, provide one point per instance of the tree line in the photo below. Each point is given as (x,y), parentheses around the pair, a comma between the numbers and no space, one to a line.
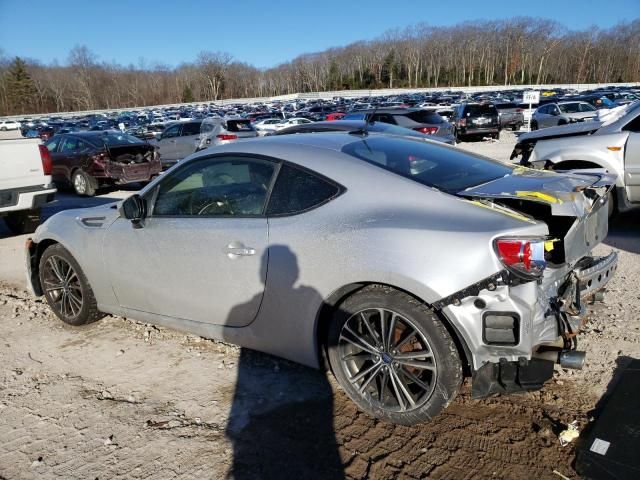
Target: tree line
(506,52)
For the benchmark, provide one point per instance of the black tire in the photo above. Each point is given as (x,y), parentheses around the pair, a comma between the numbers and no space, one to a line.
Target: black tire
(83,184)
(64,300)
(23,221)
(436,378)
(534,125)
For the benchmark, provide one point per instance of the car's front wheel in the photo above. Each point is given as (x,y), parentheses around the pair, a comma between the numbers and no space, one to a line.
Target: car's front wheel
(66,288)
(393,356)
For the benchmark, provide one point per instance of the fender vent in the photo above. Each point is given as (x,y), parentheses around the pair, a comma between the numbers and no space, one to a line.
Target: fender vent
(91,222)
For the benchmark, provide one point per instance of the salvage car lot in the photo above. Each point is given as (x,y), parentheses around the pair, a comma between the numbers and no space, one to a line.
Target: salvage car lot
(119,397)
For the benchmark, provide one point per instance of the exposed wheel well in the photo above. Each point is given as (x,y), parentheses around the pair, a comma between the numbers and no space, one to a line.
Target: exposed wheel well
(35,253)
(330,304)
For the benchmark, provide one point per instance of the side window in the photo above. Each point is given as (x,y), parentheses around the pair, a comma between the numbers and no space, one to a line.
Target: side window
(633,125)
(189,129)
(171,132)
(585,107)
(296,191)
(384,118)
(229,186)
(52,144)
(72,145)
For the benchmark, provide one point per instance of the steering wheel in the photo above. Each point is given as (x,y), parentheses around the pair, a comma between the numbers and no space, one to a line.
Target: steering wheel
(216,207)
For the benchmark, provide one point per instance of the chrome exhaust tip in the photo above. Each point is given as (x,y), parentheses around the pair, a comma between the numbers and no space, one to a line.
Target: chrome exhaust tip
(572,359)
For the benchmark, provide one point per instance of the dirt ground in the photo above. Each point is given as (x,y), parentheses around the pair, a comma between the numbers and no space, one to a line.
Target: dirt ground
(124,399)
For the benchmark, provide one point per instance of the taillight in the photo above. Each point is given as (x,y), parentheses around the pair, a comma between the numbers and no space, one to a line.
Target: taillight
(45,158)
(523,257)
(227,137)
(518,110)
(426,130)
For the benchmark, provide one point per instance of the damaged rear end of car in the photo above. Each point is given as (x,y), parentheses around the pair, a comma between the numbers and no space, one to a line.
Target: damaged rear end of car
(525,319)
(128,163)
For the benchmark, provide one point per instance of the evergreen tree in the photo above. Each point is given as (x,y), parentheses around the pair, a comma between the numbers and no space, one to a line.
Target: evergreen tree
(187,95)
(21,90)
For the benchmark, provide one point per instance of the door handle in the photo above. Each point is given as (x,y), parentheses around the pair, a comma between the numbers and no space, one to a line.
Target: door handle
(236,249)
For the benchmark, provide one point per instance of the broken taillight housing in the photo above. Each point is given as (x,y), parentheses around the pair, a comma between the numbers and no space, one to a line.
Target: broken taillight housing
(523,257)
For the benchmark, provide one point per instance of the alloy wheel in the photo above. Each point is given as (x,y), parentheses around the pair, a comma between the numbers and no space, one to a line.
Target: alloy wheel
(387,359)
(80,184)
(61,284)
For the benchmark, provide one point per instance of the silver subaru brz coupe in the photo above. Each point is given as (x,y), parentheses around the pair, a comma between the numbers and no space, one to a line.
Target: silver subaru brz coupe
(401,264)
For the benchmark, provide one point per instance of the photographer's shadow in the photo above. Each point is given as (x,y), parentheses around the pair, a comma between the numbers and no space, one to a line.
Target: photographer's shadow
(281,421)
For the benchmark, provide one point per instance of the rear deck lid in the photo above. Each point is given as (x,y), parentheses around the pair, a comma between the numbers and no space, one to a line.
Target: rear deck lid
(576,194)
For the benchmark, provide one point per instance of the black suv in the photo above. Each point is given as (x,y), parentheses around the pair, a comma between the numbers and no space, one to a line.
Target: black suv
(418,119)
(475,119)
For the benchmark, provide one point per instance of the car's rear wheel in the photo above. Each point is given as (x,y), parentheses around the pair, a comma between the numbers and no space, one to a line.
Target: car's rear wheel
(66,288)
(393,356)
(83,184)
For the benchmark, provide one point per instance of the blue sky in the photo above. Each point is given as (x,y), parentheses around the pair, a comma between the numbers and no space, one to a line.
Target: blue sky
(263,33)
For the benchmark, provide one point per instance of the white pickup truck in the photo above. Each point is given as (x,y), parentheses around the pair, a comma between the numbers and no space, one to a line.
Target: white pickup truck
(25,183)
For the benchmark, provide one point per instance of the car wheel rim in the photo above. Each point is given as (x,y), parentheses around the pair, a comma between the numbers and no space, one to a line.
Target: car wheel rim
(80,184)
(387,360)
(62,286)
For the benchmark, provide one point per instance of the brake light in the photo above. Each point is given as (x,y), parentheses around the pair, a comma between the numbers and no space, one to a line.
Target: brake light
(523,257)
(45,158)
(518,110)
(426,130)
(227,137)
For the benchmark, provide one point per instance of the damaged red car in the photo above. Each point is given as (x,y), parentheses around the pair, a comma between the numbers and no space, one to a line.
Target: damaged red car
(88,161)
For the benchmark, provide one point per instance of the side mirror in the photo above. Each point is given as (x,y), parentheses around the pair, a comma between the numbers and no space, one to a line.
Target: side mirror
(134,208)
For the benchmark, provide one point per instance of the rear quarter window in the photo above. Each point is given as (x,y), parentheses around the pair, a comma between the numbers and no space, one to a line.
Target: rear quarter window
(296,191)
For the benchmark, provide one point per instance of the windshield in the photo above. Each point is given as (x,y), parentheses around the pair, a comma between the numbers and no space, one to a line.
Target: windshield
(478,110)
(446,169)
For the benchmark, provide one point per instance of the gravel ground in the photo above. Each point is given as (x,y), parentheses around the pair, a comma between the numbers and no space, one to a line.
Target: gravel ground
(120,398)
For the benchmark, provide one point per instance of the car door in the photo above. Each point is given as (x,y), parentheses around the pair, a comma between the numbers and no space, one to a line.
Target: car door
(188,140)
(167,142)
(57,169)
(201,253)
(68,157)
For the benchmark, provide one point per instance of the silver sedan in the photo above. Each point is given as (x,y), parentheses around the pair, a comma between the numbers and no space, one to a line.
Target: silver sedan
(401,263)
